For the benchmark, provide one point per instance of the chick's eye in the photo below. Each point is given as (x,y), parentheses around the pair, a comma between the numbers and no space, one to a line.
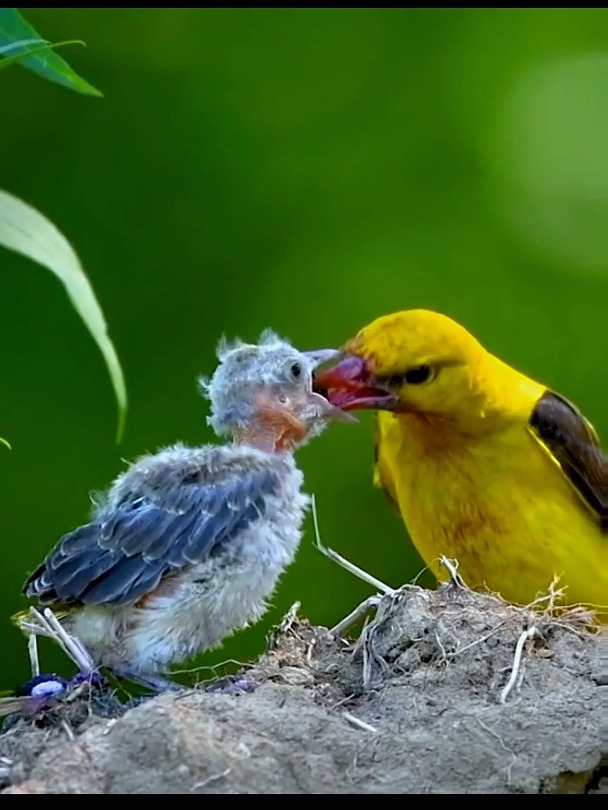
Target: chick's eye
(296,370)
(417,375)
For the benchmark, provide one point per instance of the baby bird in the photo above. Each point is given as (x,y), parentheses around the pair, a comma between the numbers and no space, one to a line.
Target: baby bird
(188,544)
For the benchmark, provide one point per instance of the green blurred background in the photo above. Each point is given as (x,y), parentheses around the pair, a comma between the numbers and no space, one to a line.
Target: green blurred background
(309,171)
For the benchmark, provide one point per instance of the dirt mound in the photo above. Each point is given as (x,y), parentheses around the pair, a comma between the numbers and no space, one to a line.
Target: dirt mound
(444,691)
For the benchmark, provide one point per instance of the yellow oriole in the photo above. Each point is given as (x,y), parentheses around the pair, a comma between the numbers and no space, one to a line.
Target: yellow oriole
(484,464)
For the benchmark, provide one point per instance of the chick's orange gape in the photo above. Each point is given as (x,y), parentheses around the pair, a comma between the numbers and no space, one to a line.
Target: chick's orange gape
(483,463)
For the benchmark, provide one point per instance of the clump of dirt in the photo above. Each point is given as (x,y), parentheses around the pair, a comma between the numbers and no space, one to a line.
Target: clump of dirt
(445,691)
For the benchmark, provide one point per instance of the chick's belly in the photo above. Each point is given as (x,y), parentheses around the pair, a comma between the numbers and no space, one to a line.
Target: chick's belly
(177,623)
(97,627)
(190,614)
(514,544)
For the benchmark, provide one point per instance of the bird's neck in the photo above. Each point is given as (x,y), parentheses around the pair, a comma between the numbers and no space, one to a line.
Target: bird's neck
(274,432)
(505,394)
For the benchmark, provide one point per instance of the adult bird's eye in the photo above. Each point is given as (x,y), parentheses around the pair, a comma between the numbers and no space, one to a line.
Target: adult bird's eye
(417,375)
(296,370)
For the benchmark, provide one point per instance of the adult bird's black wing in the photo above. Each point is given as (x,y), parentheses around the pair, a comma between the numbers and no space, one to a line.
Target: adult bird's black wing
(125,552)
(574,445)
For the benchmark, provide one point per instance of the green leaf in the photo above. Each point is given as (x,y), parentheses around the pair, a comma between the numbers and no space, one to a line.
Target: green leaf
(22,45)
(29,47)
(28,232)
(14,29)
(5,443)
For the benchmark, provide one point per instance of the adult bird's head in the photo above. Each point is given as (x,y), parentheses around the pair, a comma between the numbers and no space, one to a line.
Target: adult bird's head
(414,361)
(262,394)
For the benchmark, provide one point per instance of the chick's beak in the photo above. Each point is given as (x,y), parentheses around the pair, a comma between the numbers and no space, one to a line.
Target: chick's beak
(319,356)
(323,408)
(349,385)
(317,399)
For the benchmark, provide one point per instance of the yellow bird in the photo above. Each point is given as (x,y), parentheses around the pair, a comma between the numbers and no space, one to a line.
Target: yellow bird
(484,464)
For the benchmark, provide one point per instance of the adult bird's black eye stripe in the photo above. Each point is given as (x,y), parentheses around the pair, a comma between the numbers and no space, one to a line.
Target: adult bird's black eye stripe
(413,376)
(417,375)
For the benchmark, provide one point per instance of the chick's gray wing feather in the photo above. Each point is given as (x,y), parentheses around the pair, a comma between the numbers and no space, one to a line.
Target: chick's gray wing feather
(125,552)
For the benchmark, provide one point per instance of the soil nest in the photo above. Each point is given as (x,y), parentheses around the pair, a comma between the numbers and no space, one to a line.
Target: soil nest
(446,691)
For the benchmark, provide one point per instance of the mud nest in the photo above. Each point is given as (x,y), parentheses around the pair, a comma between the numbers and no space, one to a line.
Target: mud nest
(445,691)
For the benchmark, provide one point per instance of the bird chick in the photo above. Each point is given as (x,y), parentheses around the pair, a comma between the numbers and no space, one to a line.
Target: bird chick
(189,543)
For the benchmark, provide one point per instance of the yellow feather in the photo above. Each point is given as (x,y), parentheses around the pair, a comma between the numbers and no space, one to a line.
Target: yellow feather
(470,478)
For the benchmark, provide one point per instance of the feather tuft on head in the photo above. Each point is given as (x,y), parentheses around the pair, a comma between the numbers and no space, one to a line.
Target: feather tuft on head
(226,347)
(269,337)
(203,383)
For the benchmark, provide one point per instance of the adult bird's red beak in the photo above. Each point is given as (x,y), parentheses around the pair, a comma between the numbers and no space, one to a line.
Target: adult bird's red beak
(350,385)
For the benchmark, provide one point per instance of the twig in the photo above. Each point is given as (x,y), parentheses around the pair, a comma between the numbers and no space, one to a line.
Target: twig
(354,616)
(419,574)
(76,693)
(213,778)
(452,566)
(495,735)
(441,647)
(554,594)
(32,648)
(503,746)
(354,721)
(47,624)
(468,646)
(289,618)
(66,727)
(365,646)
(531,632)
(213,669)
(344,563)
(342,702)
(73,645)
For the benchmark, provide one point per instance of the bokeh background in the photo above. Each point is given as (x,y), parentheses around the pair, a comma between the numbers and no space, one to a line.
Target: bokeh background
(309,171)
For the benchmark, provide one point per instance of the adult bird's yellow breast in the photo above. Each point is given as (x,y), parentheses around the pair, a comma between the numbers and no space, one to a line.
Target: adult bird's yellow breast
(497,503)
(485,464)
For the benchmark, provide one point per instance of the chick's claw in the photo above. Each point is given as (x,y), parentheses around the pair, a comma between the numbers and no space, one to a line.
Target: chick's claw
(233,685)
(153,682)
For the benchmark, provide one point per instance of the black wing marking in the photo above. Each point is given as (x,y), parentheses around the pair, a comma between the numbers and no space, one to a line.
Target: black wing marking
(574,445)
(127,550)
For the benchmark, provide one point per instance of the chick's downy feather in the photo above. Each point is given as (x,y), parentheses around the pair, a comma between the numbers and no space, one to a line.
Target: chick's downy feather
(189,543)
